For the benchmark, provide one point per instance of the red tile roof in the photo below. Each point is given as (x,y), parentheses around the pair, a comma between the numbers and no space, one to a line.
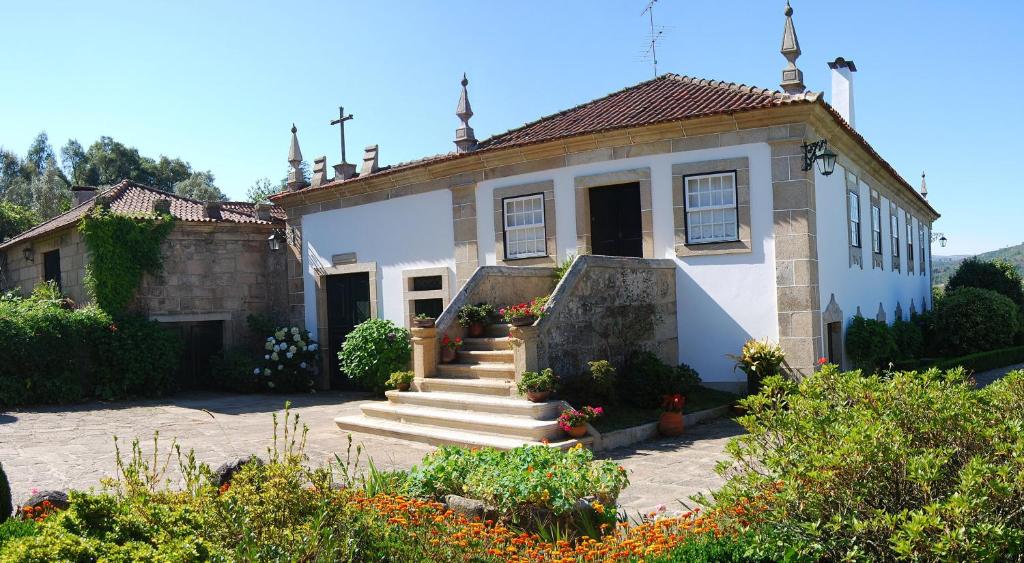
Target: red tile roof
(131,198)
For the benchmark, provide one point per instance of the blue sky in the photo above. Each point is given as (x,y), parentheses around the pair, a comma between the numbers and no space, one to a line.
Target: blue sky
(219,83)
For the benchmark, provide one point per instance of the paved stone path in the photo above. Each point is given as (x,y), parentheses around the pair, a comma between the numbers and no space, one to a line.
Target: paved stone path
(985,377)
(72,447)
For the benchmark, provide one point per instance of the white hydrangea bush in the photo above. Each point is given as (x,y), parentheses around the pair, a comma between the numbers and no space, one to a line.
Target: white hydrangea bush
(289,361)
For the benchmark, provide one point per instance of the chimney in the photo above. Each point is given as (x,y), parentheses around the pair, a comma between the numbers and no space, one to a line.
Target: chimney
(319,172)
(211,210)
(842,88)
(83,193)
(162,206)
(369,161)
(263,211)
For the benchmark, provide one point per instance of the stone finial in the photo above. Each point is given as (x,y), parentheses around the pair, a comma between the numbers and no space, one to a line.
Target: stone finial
(464,138)
(899,311)
(319,172)
(913,309)
(162,206)
(296,180)
(792,77)
(924,187)
(880,316)
(370,164)
(211,210)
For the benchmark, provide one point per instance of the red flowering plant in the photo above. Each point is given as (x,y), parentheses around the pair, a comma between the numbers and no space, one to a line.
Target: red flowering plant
(450,343)
(571,418)
(533,309)
(673,403)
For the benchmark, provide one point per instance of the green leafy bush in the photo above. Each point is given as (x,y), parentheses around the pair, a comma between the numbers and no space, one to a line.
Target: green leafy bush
(646,380)
(14,528)
(998,275)
(915,466)
(481,313)
(563,267)
(973,320)
(233,372)
(400,378)
(373,350)
(6,506)
(984,361)
(522,483)
(908,338)
(533,381)
(870,344)
(289,361)
(741,548)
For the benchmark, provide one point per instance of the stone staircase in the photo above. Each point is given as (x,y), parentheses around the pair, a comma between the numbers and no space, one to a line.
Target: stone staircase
(471,402)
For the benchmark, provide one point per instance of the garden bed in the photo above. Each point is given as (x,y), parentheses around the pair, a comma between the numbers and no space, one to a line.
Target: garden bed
(628,416)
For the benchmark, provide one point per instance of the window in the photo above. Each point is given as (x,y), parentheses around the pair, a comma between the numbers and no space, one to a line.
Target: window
(895,230)
(524,227)
(920,231)
(711,214)
(910,243)
(854,219)
(51,266)
(876,229)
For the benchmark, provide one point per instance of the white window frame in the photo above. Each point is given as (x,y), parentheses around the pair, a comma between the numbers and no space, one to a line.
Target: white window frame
(690,211)
(876,229)
(910,242)
(894,228)
(854,218)
(505,216)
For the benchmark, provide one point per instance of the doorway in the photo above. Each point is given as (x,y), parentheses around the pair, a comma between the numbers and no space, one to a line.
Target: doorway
(615,220)
(348,304)
(834,334)
(201,342)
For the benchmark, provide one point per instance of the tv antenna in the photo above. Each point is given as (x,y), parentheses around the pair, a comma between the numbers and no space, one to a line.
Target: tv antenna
(657,32)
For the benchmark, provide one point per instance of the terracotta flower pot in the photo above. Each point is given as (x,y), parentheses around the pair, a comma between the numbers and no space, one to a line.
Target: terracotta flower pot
(524,321)
(671,424)
(447,355)
(577,431)
(537,396)
(475,330)
(403,386)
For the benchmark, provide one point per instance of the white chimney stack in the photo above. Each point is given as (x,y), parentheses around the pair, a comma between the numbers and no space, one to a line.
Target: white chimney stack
(842,88)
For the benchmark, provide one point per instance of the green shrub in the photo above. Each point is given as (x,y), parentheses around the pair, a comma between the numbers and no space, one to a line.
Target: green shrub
(870,344)
(925,321)
(481,313)
(998,275)
(373,350)
(289,361)
(647,380)
(742,548)
(399,378)
(984,361)
(915,466)
(971,320)
(908,338)
(233,372)
(537,382)
(6,506)
(759,359)
(137,357)
(563,267)
(14,528)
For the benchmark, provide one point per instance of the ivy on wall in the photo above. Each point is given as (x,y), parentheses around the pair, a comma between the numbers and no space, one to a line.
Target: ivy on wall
(121,249)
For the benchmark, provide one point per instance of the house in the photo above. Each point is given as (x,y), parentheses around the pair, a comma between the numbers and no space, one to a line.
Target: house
(218,266)
(765,213)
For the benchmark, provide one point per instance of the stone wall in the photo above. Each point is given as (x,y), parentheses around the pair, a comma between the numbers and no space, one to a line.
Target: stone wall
(22,275)
(497,285)
(217,272)
(605,308)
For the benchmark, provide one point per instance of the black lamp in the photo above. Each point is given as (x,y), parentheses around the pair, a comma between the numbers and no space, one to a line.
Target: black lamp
(942,241)
(819,152)
(274,240)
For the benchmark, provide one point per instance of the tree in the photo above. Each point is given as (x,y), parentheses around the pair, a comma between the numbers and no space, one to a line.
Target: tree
(11,172)
(39,154)
(51,193)
(199,186)
(108,162)
(998,275)
(15,219)
(261,190)
(72,160)
(167,172)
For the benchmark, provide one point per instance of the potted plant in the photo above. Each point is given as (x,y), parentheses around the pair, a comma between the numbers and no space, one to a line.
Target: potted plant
(524,314)
(475,317)
(449,347)
(401,380)
(670,423)
(537,386)
(759,359)
(574,422)
(423,320)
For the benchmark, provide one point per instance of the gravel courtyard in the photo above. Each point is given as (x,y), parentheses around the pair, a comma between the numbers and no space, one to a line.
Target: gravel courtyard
(73,447)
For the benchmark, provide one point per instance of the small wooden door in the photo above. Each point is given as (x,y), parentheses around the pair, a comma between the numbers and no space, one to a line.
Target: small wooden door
(834,332)
(615,224)
(348,304)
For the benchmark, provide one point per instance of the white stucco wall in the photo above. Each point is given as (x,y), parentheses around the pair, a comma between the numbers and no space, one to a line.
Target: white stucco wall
(401,234)
(722,300)
(865,288)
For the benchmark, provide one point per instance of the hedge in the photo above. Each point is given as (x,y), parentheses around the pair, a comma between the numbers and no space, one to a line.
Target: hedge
(984,361)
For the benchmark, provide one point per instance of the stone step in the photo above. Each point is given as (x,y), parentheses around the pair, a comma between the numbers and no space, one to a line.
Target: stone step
(439,436)
(492,387)
(477,371)
(484,343)
(483,423)
(485,356)
(511,406)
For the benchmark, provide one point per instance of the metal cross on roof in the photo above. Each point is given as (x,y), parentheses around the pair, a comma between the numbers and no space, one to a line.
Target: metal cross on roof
(342,118)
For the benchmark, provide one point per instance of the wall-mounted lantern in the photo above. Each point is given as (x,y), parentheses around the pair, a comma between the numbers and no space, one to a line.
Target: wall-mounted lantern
(29,253)
(819,152)
(274,240)
(942,241)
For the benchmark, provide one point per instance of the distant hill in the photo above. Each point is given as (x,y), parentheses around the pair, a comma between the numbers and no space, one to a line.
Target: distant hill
(944,266)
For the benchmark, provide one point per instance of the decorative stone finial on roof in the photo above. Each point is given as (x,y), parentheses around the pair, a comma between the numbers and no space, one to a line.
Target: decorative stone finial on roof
(924,187)
(464,139)
(370,164)
(296,180)
(792,77)
(319,172)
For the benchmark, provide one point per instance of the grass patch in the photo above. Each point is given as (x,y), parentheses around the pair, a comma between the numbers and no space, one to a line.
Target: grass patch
(628,416)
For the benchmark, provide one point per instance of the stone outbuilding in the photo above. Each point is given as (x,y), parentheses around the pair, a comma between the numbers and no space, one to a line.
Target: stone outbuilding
(221,262)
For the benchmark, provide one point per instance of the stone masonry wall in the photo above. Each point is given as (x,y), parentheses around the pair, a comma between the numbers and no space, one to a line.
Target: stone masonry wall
(22,275)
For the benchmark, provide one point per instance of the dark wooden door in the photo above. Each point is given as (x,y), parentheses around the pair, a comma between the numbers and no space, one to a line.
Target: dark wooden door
(835,344)
(200,342)
(615,224)
(348,304)
(51,267)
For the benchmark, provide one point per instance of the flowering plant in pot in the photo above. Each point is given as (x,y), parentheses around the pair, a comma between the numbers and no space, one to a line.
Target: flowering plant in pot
(401,380)
(574,422)
(449,346)
(759,359)
(474,318)
(524,314)
(670,423)
(537,386)
(423,320)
